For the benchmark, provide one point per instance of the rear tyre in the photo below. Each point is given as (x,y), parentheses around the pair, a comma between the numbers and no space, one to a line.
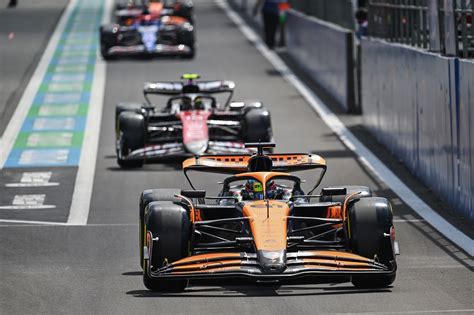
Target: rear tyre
(104,51)
(170,227)
(130,136)
(257,125)
(191,54)
(107,39)
(188,40)
(370,220)
(148,196)
(126,107)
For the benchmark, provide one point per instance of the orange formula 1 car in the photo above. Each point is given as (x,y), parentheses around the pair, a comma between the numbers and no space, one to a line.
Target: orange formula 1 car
(262,226)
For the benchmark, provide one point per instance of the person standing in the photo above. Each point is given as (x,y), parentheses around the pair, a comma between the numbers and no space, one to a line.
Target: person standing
(12,3)
(271,19)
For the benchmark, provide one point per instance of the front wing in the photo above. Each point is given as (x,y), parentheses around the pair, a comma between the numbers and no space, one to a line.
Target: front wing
(160,49)
(176,149)
(244,265)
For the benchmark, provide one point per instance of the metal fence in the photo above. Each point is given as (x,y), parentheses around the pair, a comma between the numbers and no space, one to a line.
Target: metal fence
(438,25)
(339,12)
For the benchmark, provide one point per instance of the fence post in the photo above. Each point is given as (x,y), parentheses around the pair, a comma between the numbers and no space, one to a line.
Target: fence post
(244,5)
(433,18)
(450,33)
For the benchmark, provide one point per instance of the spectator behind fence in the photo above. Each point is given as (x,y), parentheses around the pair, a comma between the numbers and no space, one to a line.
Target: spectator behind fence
(362,22)
(271,18)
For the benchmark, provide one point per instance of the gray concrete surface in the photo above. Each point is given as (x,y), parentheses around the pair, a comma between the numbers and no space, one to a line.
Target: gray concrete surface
(24,33)
(94,269)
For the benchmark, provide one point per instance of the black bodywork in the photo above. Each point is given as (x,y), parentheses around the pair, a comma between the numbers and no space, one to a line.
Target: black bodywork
(342,232)
(145,132)
(147,38)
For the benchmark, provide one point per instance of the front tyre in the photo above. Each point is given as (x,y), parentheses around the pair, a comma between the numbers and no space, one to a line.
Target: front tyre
(147,197)
(370,226)
(169,227)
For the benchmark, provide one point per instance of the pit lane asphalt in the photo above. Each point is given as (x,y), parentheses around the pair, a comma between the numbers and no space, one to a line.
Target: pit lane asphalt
(24,31)
(94,268)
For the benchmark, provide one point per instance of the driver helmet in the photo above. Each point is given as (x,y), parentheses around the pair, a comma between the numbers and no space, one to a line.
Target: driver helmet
(254,189)
(272,190)
(198,103)
(186,104)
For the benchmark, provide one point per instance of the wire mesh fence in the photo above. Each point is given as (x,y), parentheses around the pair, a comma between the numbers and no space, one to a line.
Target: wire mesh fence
(438,25)
(339,12)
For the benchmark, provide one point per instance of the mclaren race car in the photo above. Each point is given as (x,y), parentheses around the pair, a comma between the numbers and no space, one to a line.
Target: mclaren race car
(148,34)
(262,226)
(192,122)
(125,11)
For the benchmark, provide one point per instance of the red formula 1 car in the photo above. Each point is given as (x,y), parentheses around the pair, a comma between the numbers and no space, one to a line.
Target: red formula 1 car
(262,226)
(191,122)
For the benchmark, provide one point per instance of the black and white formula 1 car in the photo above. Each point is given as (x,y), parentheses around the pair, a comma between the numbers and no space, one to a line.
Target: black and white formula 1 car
(148,34)
(191,123)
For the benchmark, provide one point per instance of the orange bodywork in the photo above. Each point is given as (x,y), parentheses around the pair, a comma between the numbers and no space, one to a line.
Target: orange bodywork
(202,258)
(268,222)
(267,218)
(239,163)
(269,232)
(173,20)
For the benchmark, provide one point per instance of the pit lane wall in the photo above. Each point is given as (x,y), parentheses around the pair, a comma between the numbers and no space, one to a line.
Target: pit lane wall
(325,52)
(246,7)
(419,105)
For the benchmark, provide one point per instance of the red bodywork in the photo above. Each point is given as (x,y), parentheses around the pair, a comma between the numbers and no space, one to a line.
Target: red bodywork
(194,125)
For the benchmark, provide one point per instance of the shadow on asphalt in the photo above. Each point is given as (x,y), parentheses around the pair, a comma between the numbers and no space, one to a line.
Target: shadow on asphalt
(161,166)
(132,273)
(242,288)
(258,291)
(140,59)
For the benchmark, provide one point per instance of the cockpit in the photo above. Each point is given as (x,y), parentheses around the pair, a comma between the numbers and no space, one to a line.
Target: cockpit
(191,102)
(249,187)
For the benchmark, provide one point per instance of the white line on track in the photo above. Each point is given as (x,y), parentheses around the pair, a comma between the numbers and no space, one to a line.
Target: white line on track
(30,223)
(470,311)
(364,154)
(26,223)
(21,111)
(81,198)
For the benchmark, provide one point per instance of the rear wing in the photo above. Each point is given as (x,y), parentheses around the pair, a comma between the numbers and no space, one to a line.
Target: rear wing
(177,88)
(235,164)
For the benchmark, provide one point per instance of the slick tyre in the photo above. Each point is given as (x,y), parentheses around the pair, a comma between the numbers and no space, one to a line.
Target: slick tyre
(108,38)
(370,221)
(148,196)
(130,136)
(104,52)
(190,55)
(169,226)
(186,37)
(257,125)
(126,107)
